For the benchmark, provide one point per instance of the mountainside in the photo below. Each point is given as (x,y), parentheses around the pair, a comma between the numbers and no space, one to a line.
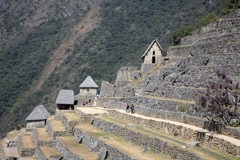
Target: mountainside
(50,45)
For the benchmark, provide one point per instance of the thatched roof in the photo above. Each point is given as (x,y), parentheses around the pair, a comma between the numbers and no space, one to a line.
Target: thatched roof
(88,83)
(150,46)
(65,97)
(39,113)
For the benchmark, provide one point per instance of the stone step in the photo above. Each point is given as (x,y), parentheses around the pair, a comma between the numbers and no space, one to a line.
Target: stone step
(197,40)
(47,153)
(204,49)
(73,150)
(25,144)
(181,133)
(42,137)
(111,146)
(56,128)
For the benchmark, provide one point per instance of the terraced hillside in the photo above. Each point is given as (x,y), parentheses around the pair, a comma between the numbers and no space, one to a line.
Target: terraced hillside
(110,134)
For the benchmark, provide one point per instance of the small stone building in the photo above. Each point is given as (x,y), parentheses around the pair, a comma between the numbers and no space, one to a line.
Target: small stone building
(88,88)
(152,56)
(38,117)
(65,100)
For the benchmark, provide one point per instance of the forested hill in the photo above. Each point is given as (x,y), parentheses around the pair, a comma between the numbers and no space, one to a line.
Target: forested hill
(50,45)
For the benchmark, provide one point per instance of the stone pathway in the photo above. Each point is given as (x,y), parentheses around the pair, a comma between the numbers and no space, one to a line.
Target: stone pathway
(100,110)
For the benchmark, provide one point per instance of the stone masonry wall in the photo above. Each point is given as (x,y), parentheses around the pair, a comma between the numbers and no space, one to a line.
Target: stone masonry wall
(107,89)
(2,153)
(39,142)
(53,133)
(153,144)
(62,148)
(24,152)
(40,155)
(96,145)
(183,132)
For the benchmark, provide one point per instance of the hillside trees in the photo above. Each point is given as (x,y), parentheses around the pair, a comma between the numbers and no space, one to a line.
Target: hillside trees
(220,102)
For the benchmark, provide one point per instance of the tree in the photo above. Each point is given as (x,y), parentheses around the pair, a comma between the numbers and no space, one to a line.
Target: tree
(219,103)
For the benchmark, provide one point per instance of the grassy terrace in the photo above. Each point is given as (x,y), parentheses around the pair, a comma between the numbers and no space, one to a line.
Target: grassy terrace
(204,152)
(120,144)
(50,151)
(27,140)
(72,117)
(43,135)
(78,149)
(56,124)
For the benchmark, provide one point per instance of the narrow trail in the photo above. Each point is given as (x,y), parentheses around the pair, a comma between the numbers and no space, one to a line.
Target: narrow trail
(79,32)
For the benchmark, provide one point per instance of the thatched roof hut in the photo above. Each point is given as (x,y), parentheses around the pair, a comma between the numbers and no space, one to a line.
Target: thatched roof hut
(65,99)
(88,88)
(88,83)
(38,117)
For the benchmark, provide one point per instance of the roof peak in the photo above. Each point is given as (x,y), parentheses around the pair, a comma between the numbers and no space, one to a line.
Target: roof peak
(88,83)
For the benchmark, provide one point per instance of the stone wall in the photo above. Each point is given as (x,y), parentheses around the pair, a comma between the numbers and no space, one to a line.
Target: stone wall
(39,154)
(107,89)
(69,125)
(96,145)
(125,73)
(206,138)
(146,68)
(53,133)
(35,124)
(40,143)
(2,153)
(88,92)
(24,152)
(67,154)
(153,144)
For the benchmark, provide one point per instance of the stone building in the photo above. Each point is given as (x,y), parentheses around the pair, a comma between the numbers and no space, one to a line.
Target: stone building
(152,56)
(88,88)
(65,99)
(38,117)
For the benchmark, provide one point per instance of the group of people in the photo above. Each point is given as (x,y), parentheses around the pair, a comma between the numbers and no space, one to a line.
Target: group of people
(129,108)
(87,101)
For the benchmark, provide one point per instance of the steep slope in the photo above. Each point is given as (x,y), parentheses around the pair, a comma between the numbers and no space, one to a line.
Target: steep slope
(32,37)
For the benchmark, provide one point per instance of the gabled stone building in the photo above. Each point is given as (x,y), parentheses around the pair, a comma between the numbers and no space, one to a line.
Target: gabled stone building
(38,117)
(65,99)
(152,56)
(88,88)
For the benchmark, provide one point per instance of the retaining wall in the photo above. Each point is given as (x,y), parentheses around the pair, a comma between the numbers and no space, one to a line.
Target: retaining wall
(153,144)
(67,154)
(206,138)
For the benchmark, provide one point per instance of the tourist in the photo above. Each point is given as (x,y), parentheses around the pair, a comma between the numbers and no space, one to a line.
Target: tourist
(132,108)
(8,142)
(89,100)
(127,107)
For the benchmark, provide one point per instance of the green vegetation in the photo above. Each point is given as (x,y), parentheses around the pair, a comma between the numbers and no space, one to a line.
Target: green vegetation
(230,6)
(125,31)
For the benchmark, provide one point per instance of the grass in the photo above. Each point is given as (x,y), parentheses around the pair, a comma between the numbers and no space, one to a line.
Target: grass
(72,117)
(50,151)
(120,144)
(78,149)
(27,140)
(57,125)
(43,135)
(206,152)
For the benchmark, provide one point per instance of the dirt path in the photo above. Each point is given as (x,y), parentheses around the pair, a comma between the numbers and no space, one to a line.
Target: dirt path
(226,138)
(61,53)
